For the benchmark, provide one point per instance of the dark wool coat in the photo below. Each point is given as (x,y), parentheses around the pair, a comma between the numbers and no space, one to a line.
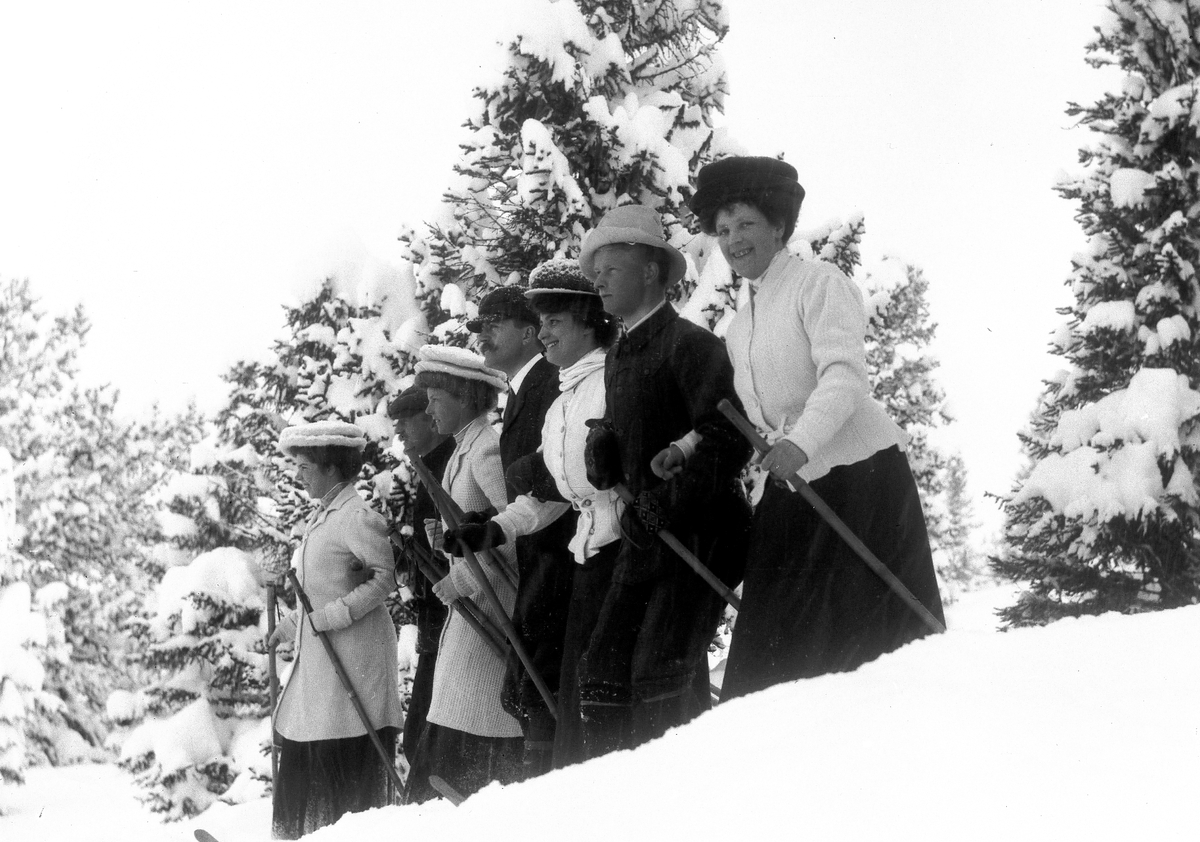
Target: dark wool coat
(544,565)
(662,380)
(643,669)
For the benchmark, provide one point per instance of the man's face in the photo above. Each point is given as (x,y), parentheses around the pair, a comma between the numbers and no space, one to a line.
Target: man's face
(623,276)
(504,344)
(416,432)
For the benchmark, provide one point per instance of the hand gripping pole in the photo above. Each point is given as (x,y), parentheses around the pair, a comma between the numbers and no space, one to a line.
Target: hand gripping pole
(813,499)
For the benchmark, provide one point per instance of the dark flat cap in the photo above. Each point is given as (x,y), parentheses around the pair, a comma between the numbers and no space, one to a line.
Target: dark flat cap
(507,302)
(409,402)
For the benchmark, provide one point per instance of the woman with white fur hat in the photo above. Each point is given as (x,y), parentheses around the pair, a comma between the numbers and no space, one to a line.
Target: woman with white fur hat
(327,765)
(469,739)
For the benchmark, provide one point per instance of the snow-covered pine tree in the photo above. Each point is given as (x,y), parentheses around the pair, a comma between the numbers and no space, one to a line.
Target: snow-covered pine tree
(1107,518)
(596,104)
(961,566)
(902,374)
(83,475)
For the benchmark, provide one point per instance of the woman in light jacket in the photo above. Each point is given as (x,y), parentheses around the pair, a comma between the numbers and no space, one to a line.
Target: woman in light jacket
(469,739)
(575,330)
(327,764)
(809,604)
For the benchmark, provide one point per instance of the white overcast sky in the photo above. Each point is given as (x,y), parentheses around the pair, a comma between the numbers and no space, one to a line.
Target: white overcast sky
(182,169)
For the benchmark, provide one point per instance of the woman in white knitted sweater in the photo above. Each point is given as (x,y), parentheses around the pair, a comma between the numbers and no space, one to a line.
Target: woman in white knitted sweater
(575,330)
(809,604)
(469,739)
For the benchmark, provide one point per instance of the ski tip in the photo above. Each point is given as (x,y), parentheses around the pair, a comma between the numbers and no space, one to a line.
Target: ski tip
(444,789)
(203,836)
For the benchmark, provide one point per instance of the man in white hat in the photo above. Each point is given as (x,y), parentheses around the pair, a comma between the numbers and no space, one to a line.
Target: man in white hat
(644,669)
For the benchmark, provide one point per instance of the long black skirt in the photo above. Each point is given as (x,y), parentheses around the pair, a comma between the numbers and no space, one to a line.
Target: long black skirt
(418,705)
(319,781)
(467,762)
(810,605)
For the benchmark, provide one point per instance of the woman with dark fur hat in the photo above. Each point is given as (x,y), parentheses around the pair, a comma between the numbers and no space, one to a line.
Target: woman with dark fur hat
(810,605)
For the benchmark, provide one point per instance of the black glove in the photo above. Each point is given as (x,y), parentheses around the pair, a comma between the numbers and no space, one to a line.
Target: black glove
(475,537)
(529,475)
(602,455)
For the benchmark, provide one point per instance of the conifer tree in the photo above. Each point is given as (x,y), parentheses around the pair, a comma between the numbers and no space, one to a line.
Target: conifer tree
(960,566)
(1107,518)
(609,104)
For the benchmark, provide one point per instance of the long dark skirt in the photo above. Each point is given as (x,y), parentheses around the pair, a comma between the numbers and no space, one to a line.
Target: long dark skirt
(810,605)
(418,705)
(590,584)
(319,781)
(467,762)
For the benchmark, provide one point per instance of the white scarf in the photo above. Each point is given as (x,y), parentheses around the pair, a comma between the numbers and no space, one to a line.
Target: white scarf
(572,375)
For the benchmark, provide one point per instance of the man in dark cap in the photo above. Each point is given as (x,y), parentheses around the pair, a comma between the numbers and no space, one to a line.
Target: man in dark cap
(645,667)
(508,339)
(416,432)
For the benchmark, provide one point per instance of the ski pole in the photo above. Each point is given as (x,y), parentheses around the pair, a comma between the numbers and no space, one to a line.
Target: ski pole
(272,677)
(388,762)
(446,506)
(466,606)
(684,553)
(813,499)
(488,591)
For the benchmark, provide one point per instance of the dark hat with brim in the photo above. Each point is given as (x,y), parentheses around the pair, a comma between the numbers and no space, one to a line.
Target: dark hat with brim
(409,402)
(732,179)
(507,302)
(630,225)
(559,275)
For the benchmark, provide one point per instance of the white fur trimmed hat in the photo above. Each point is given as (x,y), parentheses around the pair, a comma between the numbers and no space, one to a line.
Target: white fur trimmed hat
(630,224)
(461,363)
(322,434)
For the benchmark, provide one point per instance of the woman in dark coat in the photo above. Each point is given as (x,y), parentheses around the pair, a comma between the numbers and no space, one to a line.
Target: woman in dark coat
(327,764)
(809,604)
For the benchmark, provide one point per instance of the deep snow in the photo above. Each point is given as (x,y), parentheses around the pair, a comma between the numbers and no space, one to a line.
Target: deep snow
(1084,729)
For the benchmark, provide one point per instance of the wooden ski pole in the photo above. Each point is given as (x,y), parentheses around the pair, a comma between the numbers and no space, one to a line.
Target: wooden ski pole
(388,762)
(470,612)
(510,631)
(272,676)
(446,506)
(666,536)
(813,499)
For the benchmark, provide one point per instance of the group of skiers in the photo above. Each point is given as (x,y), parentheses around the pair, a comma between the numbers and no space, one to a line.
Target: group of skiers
(557,617)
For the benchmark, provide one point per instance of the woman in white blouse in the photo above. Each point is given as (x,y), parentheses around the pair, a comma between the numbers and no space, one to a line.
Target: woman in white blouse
(469,739)
(810,605)
(575,331)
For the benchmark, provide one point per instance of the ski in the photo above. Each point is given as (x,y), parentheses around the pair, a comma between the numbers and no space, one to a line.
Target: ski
(203,836)
(448,792)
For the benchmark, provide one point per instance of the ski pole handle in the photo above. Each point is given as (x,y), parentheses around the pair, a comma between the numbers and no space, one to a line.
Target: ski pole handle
(668,538)
(829,516)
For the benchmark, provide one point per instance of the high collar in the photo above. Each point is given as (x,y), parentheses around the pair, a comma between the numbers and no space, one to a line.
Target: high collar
(781,259)
(468,433)
(649,327)
(514,382)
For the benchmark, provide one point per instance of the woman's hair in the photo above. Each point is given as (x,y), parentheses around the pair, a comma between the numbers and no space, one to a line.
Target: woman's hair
(586,308)
(348,461)
(778,207)
(478,396)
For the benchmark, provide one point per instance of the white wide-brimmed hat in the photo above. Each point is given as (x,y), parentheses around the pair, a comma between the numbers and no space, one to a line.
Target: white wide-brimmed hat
(322,434)
(461,363)
(630,224)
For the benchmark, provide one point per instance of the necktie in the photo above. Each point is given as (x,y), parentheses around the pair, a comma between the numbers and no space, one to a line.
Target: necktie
(510,408)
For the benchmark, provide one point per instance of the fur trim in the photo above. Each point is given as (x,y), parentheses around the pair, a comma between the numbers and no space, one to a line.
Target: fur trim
(322,434)
(461,363)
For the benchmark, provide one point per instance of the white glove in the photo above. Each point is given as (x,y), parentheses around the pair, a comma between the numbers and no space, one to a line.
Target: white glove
(285,630)
(332,617)
(446,590)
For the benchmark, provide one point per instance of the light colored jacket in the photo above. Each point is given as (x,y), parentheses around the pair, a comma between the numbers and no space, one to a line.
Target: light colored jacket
(345,535)
(469,675)
(799,365)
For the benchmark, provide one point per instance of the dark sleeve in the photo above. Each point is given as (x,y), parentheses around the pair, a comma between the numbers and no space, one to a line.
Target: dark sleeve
(705,376)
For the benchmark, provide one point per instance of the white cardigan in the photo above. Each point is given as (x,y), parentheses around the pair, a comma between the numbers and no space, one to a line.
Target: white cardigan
(564,434)
(799,363)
